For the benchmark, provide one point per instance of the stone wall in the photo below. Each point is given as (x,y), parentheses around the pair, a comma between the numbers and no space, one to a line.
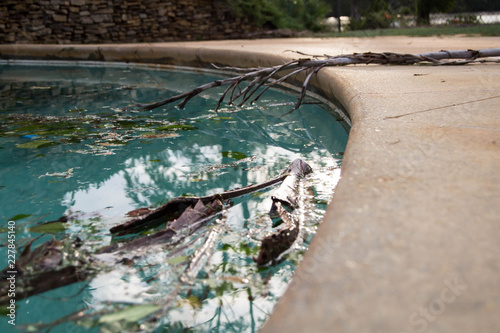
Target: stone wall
(118,21)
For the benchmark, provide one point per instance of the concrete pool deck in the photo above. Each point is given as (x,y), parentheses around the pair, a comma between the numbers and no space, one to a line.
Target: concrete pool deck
(411,239)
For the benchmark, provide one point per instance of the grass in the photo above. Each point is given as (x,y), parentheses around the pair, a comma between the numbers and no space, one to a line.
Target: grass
(481,30)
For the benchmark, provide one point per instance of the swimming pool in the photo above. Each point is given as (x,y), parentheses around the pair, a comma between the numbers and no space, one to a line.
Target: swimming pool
(69,150)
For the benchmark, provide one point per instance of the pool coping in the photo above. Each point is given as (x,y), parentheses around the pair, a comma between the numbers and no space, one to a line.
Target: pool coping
(409,241)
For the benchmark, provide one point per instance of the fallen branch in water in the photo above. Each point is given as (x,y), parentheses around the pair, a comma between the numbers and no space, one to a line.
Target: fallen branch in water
(58,263)
(191,219)
(273,247)
(270,76)
(175,207)
(44,269)
(285,201)
(47,268)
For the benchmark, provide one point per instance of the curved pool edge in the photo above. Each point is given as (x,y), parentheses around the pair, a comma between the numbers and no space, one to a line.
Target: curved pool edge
(410,240)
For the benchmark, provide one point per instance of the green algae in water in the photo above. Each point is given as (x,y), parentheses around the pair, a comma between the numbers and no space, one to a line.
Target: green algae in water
(177,127)
(122,161)
(37,144)
(234,154)
(49,228)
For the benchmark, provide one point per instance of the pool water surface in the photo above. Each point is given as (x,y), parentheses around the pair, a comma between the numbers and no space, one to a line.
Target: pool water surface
(68,149)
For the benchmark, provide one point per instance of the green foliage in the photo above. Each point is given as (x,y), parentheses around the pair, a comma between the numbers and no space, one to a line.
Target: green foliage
(177,260)
(130,314)
(379,16)
(49,228)
(283,14)
(19,217)
(178,127)
(234,154)
(405,10)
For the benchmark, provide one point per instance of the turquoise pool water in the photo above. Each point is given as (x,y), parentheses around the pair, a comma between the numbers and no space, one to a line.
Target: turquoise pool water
(68,149)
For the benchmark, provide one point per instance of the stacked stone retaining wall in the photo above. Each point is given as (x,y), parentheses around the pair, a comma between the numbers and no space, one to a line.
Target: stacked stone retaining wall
(118,21)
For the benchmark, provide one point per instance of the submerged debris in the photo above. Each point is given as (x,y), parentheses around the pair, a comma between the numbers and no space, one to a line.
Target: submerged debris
(66,174)
(285,201)
(191,219)
(58,263)
(52,265)
(277,244)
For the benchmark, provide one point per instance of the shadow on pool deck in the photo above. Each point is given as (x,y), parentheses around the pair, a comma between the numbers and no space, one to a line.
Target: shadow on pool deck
(410,242)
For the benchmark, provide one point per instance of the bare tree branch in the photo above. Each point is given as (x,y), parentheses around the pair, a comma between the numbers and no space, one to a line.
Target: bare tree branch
(258,77)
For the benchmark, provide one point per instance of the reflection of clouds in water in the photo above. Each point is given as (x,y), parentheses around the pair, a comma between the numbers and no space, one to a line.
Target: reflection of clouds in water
(128,188)
(137,172)
(138,175)
(236,307)
(113,287)
(109,193)
(182,162)
(179,163)
(212,154)
(163,170)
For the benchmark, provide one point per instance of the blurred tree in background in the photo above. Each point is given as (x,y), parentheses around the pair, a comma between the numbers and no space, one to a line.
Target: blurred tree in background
(425,7)
(374,14)
(363,14)
(283,14)
(378,16)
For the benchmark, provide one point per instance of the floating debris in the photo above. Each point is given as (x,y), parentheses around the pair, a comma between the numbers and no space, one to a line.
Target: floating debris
(66,174)
(153,135)
(37,144)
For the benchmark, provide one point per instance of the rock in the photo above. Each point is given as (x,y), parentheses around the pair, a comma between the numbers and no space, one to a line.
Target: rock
(69,21)
(60,18)
(78,2)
